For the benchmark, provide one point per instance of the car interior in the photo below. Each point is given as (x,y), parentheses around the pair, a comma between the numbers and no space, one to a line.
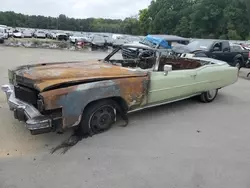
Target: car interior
(147,63)
(178,63)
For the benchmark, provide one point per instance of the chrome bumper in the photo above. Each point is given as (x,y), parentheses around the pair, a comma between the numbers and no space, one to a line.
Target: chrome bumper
(26,112)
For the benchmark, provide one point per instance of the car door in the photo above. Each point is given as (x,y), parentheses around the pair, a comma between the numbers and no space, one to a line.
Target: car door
(216,51)
(171,86)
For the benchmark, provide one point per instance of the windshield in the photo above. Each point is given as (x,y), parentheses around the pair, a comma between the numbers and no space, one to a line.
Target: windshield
(200,45)
(148,43)
(141,61)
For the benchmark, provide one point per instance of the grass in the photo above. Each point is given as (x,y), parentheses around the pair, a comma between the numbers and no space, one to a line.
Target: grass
(40,42)
(32,40)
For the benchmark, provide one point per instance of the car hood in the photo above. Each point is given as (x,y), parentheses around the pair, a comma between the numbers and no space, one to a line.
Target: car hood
(47,76)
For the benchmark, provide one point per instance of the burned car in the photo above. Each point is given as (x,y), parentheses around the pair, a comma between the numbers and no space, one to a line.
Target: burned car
(90,95)
(162,43)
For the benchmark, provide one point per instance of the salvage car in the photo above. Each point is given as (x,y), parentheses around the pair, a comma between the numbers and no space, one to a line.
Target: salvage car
(17,34)
(217,49)
(98,42)
(161,42)
(39,34)
(89,95)
(62,36)
(27,34)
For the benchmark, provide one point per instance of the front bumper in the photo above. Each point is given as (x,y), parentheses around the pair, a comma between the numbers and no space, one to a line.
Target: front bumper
(35,121)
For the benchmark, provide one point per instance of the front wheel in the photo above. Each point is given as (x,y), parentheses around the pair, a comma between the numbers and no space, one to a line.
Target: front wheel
(209,96)
(98,117)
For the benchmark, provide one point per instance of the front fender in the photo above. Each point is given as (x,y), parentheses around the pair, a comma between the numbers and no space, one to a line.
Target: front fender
(73,100)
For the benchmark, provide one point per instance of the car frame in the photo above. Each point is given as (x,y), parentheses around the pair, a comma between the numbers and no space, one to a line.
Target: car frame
(89,96)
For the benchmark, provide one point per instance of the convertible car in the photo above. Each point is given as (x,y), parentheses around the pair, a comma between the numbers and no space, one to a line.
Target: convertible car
(90,95)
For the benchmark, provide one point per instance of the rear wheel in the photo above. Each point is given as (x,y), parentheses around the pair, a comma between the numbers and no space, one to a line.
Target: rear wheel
(209,96)
(98,117)
(237,63)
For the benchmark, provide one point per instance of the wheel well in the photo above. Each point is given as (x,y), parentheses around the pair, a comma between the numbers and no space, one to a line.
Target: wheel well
(239,58)
(119,100)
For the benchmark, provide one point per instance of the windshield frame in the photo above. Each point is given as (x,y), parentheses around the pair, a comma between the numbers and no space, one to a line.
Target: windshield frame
(149,43)
(107,59)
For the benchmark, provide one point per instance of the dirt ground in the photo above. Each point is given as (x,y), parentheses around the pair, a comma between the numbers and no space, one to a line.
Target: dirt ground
(185,144)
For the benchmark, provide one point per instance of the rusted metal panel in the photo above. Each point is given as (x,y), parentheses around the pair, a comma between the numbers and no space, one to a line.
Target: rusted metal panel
(56,74)
(73,100)
(133,90)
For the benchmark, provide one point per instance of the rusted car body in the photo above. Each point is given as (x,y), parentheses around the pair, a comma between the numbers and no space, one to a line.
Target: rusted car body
(55,96)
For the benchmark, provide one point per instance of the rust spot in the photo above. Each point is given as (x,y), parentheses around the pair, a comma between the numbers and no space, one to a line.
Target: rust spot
(133,90)
(54,74)
(50,98)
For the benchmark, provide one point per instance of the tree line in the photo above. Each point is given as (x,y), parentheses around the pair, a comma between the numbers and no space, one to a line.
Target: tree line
(223,19)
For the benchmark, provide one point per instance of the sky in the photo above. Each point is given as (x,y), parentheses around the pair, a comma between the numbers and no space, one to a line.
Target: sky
(115,9)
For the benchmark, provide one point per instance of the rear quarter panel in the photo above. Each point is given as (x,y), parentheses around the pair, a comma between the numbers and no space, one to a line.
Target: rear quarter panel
(216,76)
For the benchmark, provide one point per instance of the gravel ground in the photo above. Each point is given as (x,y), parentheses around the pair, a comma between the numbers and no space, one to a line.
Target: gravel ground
(185,144)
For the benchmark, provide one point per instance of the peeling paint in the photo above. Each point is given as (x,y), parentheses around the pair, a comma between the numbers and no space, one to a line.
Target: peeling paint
(45,77)
(73,100)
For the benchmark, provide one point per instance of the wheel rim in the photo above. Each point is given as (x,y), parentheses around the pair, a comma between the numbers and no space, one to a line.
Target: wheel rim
(211,94)
(102,119)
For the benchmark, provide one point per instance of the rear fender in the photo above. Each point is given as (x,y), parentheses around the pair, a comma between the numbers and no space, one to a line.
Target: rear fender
(240,57)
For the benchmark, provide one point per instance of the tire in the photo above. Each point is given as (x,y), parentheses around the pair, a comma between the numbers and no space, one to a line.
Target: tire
(208,96)
(238,63)
(98,117)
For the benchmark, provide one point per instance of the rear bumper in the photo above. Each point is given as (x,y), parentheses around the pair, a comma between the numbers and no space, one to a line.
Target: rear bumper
(35,121)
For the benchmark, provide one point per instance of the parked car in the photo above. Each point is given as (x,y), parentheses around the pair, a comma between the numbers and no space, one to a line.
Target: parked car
(246,46)
(119,42)
(80,43)
(217,49)
(77,37)
(39,34)
(1,38)
(160,42)
(27,34)
(89,95)
(61,36)
(98,42)
(10,32)
(17,34)
(237,47)
(3,30)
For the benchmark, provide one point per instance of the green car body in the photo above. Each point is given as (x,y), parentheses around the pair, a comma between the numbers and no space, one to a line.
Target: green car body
(90,95)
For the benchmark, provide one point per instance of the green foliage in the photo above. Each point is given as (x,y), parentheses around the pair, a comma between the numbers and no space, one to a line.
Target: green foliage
(224,19)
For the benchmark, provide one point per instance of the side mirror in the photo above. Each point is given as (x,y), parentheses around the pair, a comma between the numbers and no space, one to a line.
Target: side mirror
(167,68)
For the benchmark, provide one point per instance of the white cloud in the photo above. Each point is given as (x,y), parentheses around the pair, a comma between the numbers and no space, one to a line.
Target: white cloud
(76,8)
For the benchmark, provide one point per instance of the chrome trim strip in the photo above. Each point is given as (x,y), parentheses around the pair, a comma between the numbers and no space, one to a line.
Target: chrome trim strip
(163,103)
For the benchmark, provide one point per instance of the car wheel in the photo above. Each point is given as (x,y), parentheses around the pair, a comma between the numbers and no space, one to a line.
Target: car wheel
(209,96)
(237,63)
(98,117)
